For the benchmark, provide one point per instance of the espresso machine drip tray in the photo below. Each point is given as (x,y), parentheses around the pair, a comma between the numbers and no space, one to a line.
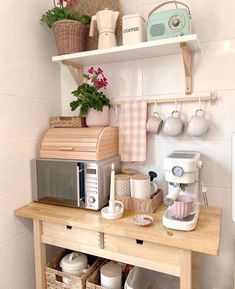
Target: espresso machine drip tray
(187,224)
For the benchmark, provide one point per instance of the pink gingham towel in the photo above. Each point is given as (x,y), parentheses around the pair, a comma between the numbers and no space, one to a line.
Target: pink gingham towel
(132,131)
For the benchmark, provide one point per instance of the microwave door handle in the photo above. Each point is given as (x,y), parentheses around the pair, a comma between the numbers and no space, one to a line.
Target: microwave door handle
(78,186)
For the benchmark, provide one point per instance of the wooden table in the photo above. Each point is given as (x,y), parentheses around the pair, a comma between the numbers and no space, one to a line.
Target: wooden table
(155,247)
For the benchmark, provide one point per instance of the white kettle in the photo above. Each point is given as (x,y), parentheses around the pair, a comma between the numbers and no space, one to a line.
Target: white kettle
(106,21)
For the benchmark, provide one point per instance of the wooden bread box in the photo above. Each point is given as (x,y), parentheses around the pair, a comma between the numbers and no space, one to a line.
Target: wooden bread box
(80,143)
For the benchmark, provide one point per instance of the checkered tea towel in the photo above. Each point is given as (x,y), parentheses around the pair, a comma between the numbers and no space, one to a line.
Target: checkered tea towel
(132,131)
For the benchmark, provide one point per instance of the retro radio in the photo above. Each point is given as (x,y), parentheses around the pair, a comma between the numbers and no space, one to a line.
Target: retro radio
(169,23)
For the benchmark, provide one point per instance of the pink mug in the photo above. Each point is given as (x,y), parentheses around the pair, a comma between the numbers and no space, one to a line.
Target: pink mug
(183,207)
(154,123)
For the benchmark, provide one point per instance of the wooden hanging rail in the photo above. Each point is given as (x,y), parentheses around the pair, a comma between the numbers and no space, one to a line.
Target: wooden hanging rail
(211,98)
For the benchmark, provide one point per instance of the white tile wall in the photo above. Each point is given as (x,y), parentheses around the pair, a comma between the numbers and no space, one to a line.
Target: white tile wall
(30,92)
(163,77)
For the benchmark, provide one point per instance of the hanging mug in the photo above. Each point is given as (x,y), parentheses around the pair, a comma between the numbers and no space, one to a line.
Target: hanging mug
(174,125)
(154,123)
(198,124)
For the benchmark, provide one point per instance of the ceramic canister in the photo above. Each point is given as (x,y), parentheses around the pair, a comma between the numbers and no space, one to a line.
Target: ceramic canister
(140,186)
(122,185)
(111,276)
(74,264)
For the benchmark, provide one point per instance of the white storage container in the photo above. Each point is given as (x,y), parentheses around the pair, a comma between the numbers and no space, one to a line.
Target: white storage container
(134,29)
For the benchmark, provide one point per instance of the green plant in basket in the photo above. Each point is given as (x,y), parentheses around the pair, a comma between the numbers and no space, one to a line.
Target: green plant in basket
(61,11)
(90,94)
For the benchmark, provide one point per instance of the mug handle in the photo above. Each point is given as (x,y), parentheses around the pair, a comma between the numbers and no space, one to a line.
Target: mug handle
(120,203)
(175,112)
(196,206)
(199,110)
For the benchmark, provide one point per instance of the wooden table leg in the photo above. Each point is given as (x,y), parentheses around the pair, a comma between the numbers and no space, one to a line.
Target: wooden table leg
(39,255)
(196,270)
(185,269)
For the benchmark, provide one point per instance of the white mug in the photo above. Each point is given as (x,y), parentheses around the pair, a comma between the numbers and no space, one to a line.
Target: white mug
(198,125)
(140,186)
(174,125)
(111,276)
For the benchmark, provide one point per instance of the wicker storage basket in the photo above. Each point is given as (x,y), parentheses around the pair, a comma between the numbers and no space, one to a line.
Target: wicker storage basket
(143,206)
(67,121)
(70,36)
(54,274)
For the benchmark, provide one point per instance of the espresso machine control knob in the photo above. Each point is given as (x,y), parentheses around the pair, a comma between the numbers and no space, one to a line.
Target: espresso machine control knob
(91,200)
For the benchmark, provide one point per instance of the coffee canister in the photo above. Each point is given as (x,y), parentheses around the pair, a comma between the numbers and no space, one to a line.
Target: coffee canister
(122,185)
(134,29)
(111,276)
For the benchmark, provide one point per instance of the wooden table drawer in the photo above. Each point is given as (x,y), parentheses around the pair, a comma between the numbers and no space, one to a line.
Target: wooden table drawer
(142,249)
(70,233)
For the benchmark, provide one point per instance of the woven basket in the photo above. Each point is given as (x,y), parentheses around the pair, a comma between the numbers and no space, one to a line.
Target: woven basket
(67,121)
(54,274)
(70,36)
(143,206)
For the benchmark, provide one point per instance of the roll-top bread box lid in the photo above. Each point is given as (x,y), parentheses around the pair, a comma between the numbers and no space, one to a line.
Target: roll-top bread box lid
(80,143)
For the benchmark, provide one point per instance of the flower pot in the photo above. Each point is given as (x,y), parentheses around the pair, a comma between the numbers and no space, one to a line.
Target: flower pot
(96,118)
(69,36)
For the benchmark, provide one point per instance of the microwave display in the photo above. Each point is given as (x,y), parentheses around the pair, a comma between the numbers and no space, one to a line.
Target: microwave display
(91,171)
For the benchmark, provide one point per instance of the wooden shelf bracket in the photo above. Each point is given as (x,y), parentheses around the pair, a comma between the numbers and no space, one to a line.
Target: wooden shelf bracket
(187,58)
(76,70)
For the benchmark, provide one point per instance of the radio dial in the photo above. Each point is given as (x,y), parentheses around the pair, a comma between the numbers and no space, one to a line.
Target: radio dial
(91,200)
(175,22)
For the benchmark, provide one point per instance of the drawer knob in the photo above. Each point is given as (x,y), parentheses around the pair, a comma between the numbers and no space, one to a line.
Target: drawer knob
(69,227)
(140,242)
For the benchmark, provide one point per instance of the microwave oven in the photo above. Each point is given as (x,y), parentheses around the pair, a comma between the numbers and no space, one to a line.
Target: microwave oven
(83,184)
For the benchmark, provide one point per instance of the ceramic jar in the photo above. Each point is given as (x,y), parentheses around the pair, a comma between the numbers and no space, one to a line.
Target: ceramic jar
(75,264)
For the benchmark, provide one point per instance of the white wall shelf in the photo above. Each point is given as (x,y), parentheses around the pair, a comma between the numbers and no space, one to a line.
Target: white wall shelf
(177,45)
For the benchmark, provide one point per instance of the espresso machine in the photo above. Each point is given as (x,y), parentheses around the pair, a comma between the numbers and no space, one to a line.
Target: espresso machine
(182,174)
(106,21)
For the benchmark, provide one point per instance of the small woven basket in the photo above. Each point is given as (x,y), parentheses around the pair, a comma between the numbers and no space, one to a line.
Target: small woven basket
(67,121)
(146,206)
(70,36)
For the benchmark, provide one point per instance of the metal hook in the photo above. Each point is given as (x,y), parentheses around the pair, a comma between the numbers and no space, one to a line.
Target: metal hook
(176,104)
(200,102)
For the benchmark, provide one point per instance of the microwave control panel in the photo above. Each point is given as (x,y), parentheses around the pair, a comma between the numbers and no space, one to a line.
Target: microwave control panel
(92,186)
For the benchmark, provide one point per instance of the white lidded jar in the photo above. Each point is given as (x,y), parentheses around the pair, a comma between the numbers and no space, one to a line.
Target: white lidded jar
(111,276)
(75,264)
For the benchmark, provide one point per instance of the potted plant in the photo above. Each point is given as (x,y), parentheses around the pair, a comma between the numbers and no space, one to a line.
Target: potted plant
(91,99)
(69,27)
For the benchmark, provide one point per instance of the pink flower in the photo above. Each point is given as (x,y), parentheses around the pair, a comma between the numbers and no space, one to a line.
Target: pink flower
(99,70)
(65,2)
(91,70)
